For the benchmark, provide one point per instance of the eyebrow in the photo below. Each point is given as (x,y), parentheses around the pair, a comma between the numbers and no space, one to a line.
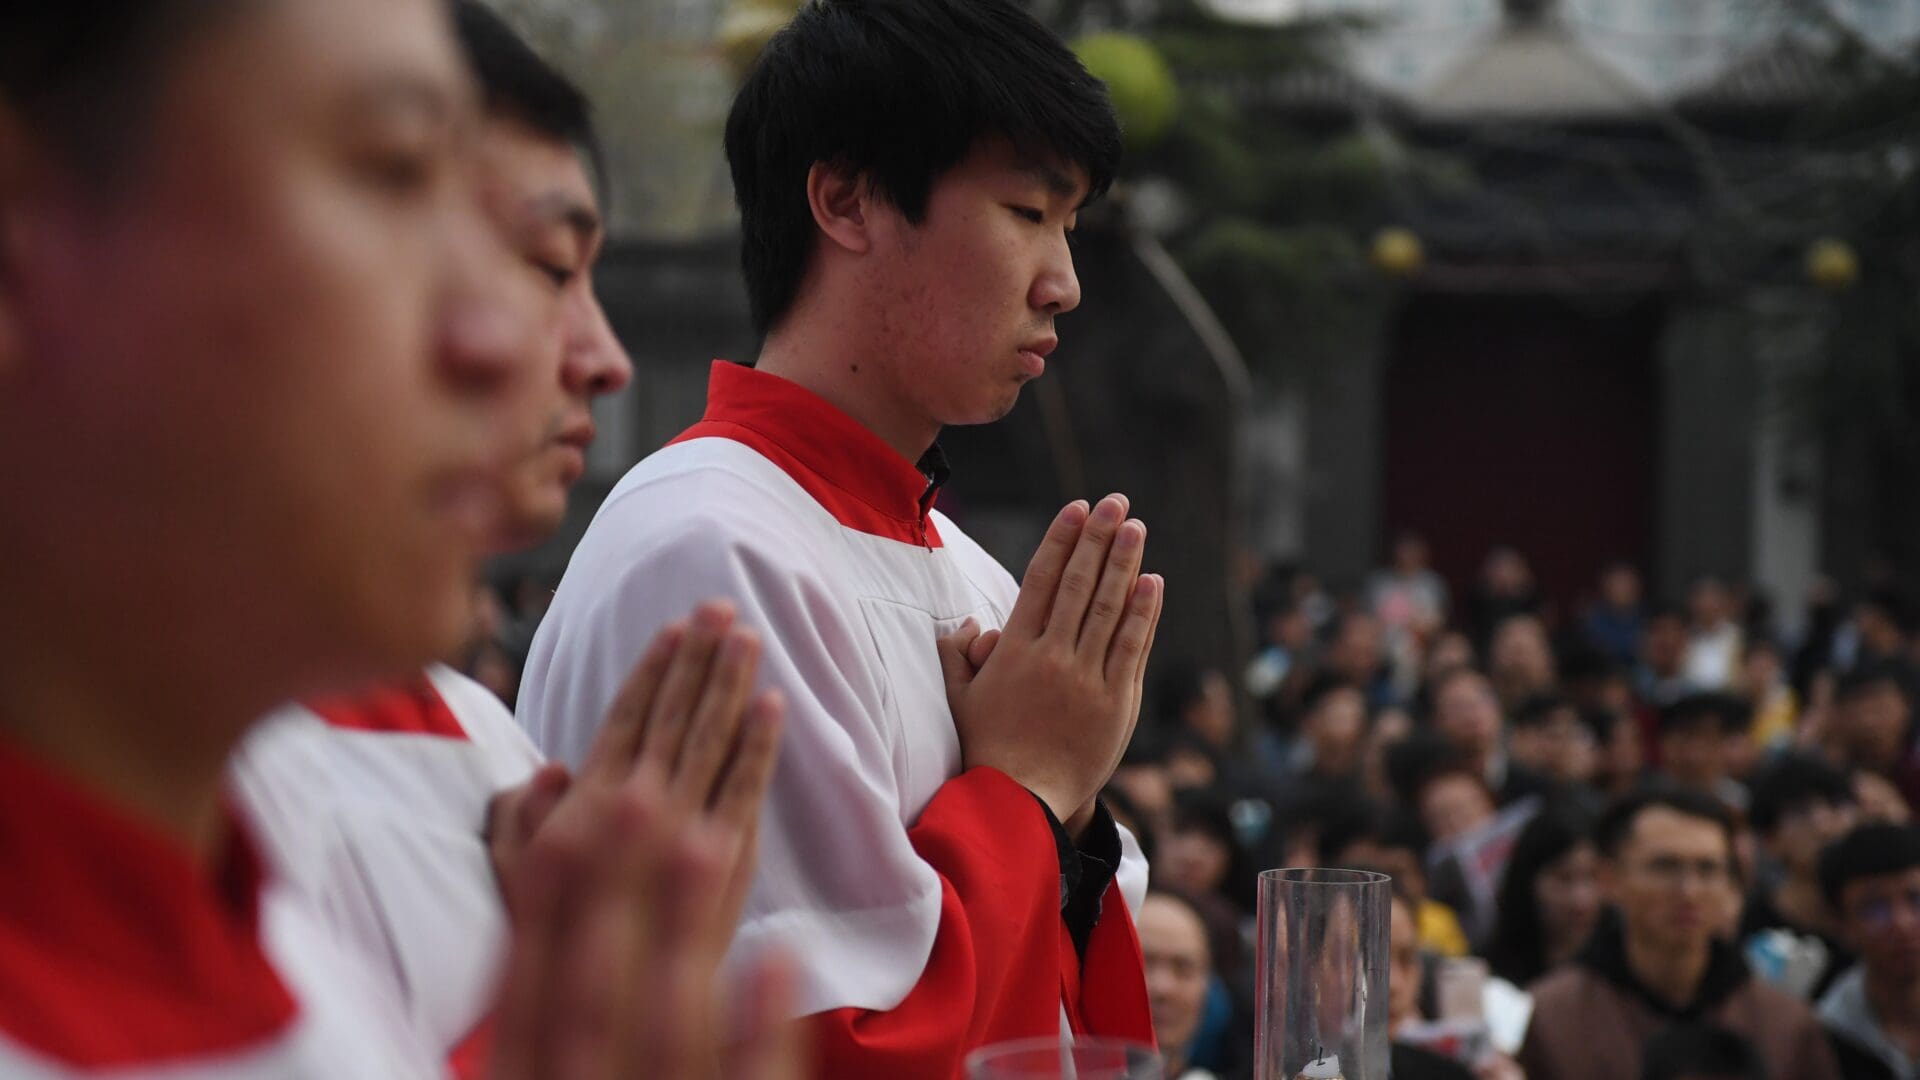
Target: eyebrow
(1055,181)
(575,214)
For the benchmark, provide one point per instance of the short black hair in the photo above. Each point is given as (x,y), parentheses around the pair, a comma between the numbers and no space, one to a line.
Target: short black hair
(900,91)
(1694,711)
(515,81)
(1694,1051)
(1538,709)
(1323,686)
(1792,783)
(1893,603)
(1616,823)
(1868,851)
(81,72)
(1871,676)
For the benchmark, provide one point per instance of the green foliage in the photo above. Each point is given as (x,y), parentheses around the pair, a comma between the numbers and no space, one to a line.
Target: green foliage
(1143,89)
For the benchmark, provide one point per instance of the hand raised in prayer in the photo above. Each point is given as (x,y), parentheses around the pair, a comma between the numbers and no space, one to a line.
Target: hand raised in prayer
(626,891)
(1053,701)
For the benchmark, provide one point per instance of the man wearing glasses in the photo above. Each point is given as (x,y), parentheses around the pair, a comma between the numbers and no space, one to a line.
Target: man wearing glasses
(1871,878)
(1661,956)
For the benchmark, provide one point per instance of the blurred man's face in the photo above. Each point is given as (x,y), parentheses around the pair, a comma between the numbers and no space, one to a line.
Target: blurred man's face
(1804,830)
(1336,727)
(1560,747)
(1193,861)
(1620,589)
(274,355)
(1695,755)
(1467,714)
(1453,806)
(1211,714)
(1520,653)
(1709,604)
(1874,722)
(1174,945)
(537,194)
(1673,879)
(1880,918)
(1663,648)
(1356,651)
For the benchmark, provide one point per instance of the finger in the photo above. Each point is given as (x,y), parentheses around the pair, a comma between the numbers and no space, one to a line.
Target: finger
(543,793)
(1110,598)
(624,726)
(716,721)
(674,1034)
(743,788)
(1131,640)
(614,940)
(680,690)
(955,663)
(1042,579)
(981,650)
(1082,573)
(1146,654)
(770,1042)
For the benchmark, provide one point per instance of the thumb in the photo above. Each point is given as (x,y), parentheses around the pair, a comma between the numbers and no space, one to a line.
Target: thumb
(953,654)
(981,650)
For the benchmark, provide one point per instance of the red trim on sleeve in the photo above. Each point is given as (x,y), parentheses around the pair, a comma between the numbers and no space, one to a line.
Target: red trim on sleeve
(411,708)
(117,948)
(864,483)
(995,970)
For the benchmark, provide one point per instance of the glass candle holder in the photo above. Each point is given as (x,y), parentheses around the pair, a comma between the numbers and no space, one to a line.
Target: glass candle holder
(1059,1059)
(1320,998)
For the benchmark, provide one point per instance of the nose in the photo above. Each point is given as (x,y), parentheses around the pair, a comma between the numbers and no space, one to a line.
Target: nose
(595,363)
(1056,290)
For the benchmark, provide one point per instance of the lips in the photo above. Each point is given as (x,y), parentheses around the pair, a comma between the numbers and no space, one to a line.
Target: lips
(1033,355)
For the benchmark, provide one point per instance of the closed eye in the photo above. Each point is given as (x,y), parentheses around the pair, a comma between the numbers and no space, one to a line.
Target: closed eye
(1028,213)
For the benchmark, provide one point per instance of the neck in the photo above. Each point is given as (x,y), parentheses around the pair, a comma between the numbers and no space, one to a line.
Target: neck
(821,359)
(125,732)
(1801,901)
(1895,1001)
(1672,974)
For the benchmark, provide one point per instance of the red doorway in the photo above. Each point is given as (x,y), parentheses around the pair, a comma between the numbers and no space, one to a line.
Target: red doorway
(1524,421)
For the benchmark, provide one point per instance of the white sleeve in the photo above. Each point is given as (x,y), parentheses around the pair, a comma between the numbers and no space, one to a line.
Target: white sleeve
(838,885)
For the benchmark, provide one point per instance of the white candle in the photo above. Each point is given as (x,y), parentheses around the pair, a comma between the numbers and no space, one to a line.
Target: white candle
(1327,1068)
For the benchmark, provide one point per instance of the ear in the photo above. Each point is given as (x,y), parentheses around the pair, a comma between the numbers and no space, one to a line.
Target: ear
(842,203)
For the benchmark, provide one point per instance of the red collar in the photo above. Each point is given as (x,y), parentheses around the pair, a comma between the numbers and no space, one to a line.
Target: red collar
(850,471)
(116,947)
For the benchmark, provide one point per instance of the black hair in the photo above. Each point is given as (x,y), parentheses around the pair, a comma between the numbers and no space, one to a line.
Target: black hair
(1518,952)
(1694,711)
(1322,686)
(1616,824)
(1418,758)
(1792,783)
(899,91)
(1893,603)
(515,81)
(1872,675)
(1203,810)
(1868,851)
(82,72)
(1699,1051)
(1600,721)
(1179,685)
(1538,709)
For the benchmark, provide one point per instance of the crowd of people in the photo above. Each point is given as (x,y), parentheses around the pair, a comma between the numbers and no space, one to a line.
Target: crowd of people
(1661,841)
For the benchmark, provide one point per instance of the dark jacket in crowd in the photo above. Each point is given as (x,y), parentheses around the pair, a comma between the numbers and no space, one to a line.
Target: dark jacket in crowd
(1592,1017)
(1864,1049)
(1415,1063)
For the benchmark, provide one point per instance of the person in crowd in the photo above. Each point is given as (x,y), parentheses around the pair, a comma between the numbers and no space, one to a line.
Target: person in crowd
(1289,643)
(1712,654)
(1363,834)
(1406,974)
(1871,878)
(1661,675)
(1193,761)
(1799,805)
(1613,622)
(1144,776)
(1872,727)
(1695,1051)
(1505,588)
(249,295)
(1883,622)
(1179,965)
(1520,661)
(1549,899)
(1407,596)
(1668,866)
(1763,683)
(1199,700)
(1333,731)
(1466,714)
(1453,801)
(1698,751)
(1200,852)
(1552,739)
(1356,652)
